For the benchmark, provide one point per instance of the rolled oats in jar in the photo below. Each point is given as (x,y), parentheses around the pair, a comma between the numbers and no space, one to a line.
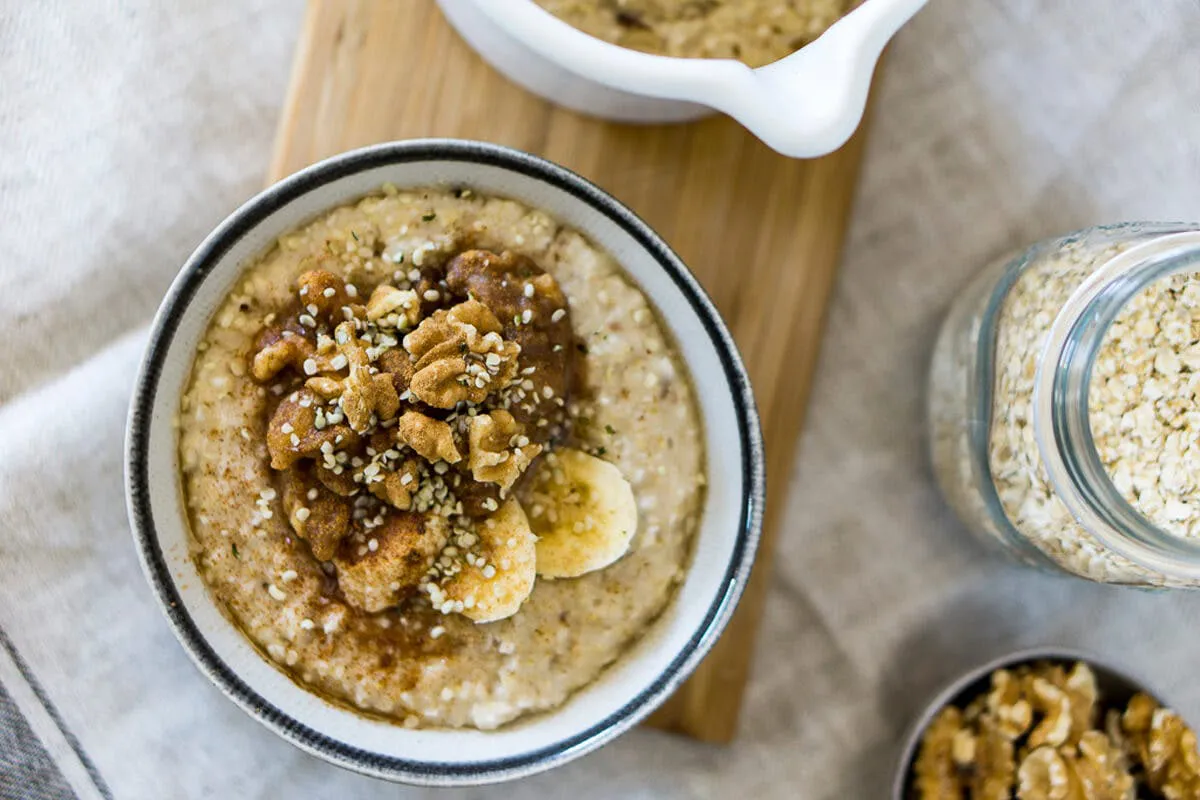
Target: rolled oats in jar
(1065,404)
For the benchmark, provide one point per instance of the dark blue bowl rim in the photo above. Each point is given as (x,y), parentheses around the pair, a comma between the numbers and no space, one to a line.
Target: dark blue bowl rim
(162,333)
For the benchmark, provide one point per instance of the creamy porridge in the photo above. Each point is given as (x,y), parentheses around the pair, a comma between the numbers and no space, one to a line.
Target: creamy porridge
(440,459)
(755,32)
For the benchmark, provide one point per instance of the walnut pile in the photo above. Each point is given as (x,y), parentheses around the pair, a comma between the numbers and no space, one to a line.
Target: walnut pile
(1041,732)
(1164,746)
(402,415)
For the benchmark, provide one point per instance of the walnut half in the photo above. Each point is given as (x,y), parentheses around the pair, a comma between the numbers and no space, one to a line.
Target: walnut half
(432,439)
(277,349)
(363,395)
(1043,775)
(460,356)
(1005,703)
(1165,747)
(292,433)
(499,452)
(315,513)
(935,770)
(394,308)
(1100,770)
(1055,708)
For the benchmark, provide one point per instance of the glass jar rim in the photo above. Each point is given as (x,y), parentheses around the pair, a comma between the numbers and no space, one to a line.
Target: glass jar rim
(1062,427)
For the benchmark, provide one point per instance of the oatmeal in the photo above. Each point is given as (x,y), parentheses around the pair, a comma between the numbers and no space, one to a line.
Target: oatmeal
(755,32)
(440,459)
(1138,405)
(1144,407)
(1026,493)
(1045,732)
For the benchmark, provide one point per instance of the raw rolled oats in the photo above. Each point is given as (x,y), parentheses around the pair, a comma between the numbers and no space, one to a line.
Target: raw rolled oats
(1024,488)
(1142,405)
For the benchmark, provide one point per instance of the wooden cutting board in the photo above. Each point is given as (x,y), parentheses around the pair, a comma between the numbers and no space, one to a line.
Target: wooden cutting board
(762,232)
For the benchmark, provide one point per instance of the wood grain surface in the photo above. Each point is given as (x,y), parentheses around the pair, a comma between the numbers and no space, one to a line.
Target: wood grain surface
(762,232)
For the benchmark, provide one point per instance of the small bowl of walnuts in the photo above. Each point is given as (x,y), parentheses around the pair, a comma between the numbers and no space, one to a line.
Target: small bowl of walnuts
(1048,724)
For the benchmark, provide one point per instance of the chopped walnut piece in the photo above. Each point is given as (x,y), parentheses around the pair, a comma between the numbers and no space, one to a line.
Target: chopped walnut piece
(1006,703)
(995,765)
(377,576)
(326,388)
(275,350)
(975,709)
(936,774)
(431,438)
(1081,689)
(1043,775)
(460,356)
(1054,706)
(363,395)
(499,452)
(1164,746)
(315,513)
(395,308)
(1100,770)
(1136,722)
(963,748)
(340,483)
(1166,729)
(397,487)
(396,362)
(292,433)
(322,294)
(1183,775)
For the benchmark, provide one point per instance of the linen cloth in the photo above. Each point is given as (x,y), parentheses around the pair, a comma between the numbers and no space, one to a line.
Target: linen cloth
(128,130)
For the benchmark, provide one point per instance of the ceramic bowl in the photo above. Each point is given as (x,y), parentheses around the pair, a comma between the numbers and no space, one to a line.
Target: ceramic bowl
(629,689)
(1116,686)
(806,104)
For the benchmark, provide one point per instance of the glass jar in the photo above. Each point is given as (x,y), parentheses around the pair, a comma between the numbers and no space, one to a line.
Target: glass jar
(1064,404)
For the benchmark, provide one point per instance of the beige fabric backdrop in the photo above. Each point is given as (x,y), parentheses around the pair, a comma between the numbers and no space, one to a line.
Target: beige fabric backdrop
(127,130)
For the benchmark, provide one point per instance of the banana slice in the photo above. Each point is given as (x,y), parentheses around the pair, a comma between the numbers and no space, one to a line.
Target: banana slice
(503,572)
(588,514)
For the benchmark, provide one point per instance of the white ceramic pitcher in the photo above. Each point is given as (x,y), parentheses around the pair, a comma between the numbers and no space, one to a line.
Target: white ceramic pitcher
(804,105)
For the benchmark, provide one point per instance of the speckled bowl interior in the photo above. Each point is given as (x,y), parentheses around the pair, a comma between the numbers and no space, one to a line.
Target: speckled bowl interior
(624,693)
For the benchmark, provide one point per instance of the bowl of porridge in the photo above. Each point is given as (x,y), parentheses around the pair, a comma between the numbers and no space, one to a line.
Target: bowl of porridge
(441,464)
(795,74)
